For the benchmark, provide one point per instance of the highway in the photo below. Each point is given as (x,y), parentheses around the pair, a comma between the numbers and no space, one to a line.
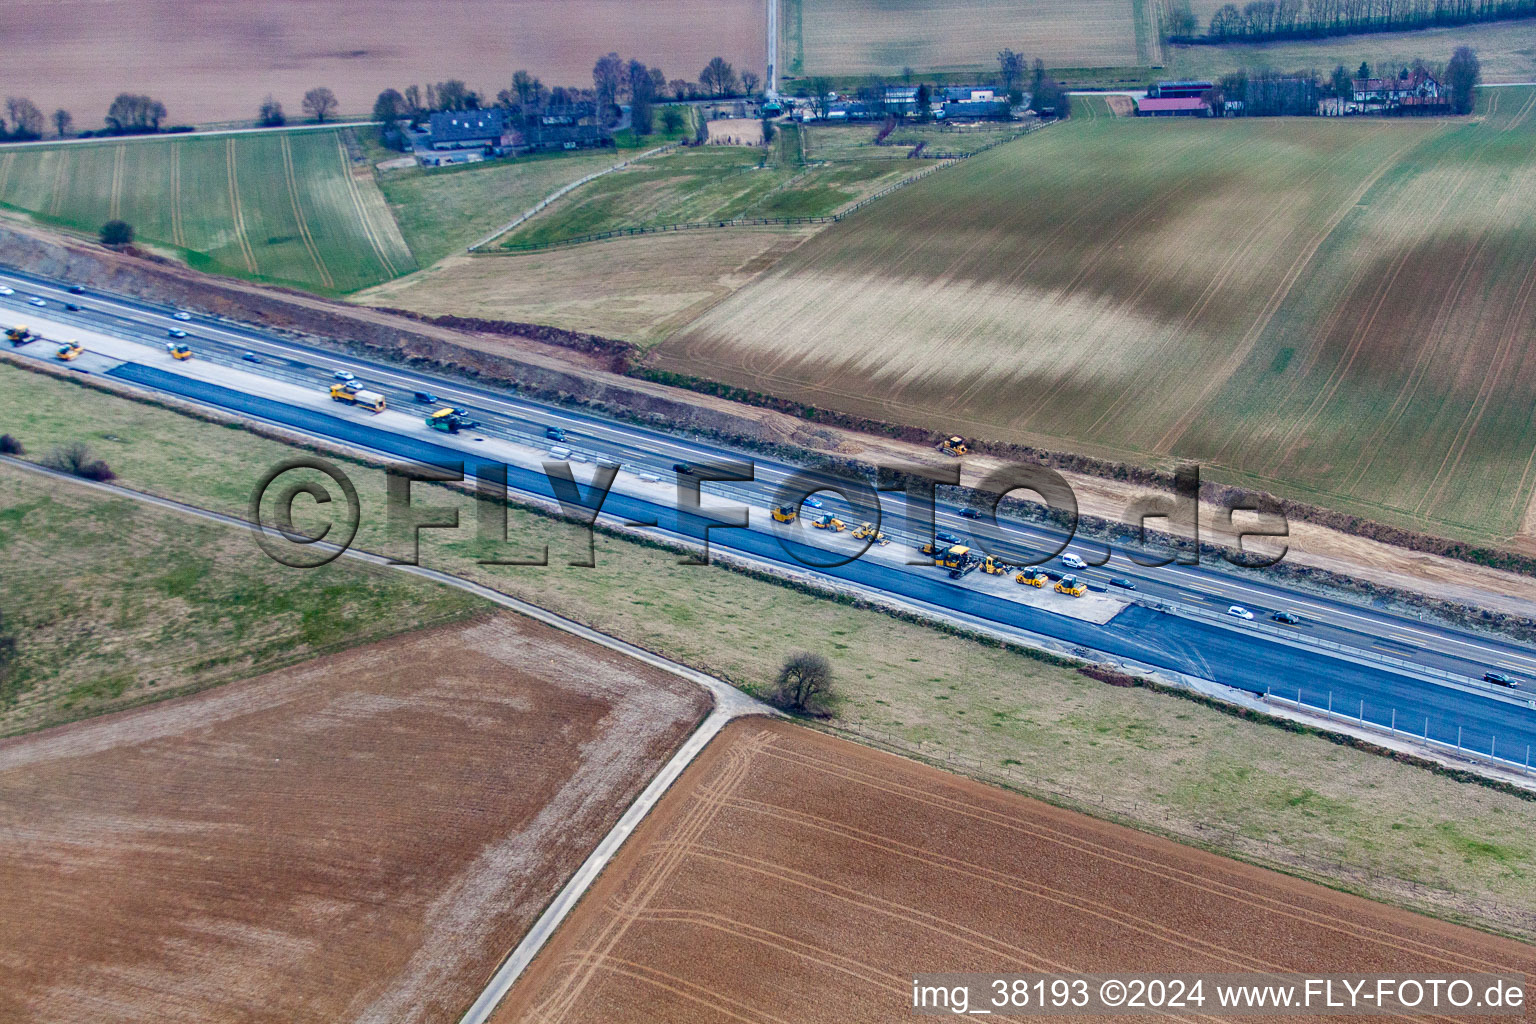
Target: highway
(1420,677)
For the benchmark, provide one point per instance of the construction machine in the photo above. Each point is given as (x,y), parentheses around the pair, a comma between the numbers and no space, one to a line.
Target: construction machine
(955,446)
(178,351)
(785,513)
(992,567)
(19,335)
(958,559)
(1031,577)
(869,530)
(70,351)
(1071,586)
(450,421)
(830,522)
(370,400)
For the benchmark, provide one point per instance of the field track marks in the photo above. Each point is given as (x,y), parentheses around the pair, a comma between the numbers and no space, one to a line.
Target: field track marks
(681,987)
(1521,114)
(1297,430)
(1245,896)
(954,932)
(1235,959)
(234,205)
(689,829)
(5,171)
(298,214)
(1507,346)
(1235,261)
(60,181)
(1436,338)
(362,209)
(115,209)
(1282,291)
(178,232)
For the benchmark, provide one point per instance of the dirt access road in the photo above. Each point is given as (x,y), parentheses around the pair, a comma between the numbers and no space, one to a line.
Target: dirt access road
(794,877)
(361,837)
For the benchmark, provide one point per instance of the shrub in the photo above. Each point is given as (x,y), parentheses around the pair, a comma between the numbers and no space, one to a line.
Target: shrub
(117,232)
(10,446)
(76,459)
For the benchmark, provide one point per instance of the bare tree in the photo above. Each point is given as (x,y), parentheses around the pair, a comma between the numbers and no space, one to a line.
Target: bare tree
(320,104)
(26,120)
(608,81)
(62,120)
(821,95)
(681,89)
(1010,68)
(804,683)
(1462,75)
(132,114)
(270,113)
(718,77)
(412,100)
(750,82)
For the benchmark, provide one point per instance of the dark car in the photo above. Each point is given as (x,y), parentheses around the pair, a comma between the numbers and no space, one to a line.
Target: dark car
(969,513)
(1122,583)
(426,398)
(251,357)
(947,538)
(683,468)
(76,289)
(554,433)
(1500,679)
(1286,617)
(73,307)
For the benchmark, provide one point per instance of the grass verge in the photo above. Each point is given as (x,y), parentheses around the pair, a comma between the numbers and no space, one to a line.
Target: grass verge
(112,603)
(1296,801)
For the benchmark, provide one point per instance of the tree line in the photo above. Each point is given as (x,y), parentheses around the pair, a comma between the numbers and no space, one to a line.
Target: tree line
(615,81)
(129,114)
(1264,93)
(1046,95)
(1265,20)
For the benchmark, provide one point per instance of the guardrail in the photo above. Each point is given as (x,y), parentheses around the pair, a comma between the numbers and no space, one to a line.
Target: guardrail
(734,222)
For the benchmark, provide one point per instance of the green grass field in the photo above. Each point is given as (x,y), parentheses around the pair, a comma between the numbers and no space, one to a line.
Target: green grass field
(708,183)
(1365,823)
(112,603)
(1335,310)
(289,207)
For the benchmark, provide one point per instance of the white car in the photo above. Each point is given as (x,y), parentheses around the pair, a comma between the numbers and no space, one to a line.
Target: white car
(176,332)
(812,503)
(181,314)
(37,301)
(1240,612)
(7,291)
(1073,562)
(353,386)
(343,375)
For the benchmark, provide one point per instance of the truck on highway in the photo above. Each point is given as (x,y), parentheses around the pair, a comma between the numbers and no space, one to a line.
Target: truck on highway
(370,400)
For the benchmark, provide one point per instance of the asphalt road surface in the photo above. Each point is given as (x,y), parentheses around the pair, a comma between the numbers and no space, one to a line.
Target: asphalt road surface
(1423,678)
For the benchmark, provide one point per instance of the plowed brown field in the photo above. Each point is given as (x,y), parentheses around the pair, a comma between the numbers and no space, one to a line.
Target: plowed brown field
(213,60)
(361,837)
(790,876)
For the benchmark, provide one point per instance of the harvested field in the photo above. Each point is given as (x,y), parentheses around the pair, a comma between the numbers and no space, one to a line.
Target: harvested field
(361,837)
(640,289)
(290,207)
(214,60)
(819,875)
(881,37)
(1350,340)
